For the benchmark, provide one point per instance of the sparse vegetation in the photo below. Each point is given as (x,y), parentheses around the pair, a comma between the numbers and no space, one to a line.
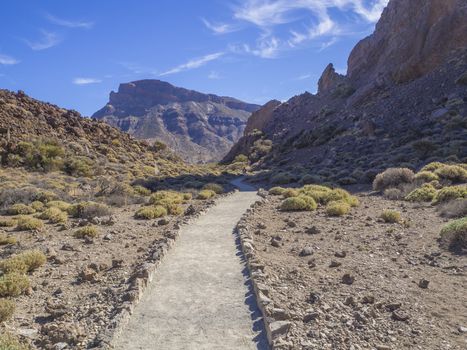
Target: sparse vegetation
(290,192)
(64,206)
(8,222)
(13,284)
(393,177)
(425,193)
(277,191)
(20,209)
(7,308)
(450,193)
(5,239)
(28,223)
(454,235)
(337,208)
(152,212)
(54,215)
(426,176)
(391,216)
(453,173)
(90,231)
(142,191)
(300,203)
(206,194)
(88,210)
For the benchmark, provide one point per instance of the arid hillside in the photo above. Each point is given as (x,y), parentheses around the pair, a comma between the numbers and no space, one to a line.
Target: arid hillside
(402,103)
(86,211)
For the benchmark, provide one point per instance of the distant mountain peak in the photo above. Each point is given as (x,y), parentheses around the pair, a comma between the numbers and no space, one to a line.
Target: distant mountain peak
(200,127)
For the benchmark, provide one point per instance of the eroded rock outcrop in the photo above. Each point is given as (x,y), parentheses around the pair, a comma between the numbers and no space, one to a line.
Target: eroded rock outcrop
(411,39)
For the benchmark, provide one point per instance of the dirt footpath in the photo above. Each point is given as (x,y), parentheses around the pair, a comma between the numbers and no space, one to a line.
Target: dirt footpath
(200,297)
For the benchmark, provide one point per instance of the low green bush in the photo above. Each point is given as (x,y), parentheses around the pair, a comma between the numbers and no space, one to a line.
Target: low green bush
(426,176)
(151,212)
(425,193)
(90,231)
(20,209)
(290,192)
(7,308)
(392,177)
(5,239)
(37,206)
(64,206)
(432,166)
(27,223)
(54,215)
(391,216)
(13,285)
(142,191)
(450,193)
(337,208)
(89,210)
(277,191)
(453,173)
(206,194)
(8,222)
(454,234)
(300,203)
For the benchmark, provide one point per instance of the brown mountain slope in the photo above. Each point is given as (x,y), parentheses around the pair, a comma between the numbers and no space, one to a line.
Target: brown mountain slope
(199,127)
(41,136)
(403,102)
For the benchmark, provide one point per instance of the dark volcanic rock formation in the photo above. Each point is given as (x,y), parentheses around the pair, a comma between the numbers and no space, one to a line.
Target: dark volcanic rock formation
(402,103)
(411,39)
(200,127)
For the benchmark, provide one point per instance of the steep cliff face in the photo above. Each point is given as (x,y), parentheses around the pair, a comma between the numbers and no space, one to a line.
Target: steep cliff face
(199,127)
(403,101)
(411,39)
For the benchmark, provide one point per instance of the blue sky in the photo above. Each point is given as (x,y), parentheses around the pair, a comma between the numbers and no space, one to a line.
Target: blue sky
(73,53)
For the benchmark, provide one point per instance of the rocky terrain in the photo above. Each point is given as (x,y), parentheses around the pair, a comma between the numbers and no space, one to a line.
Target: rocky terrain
(199,127)
(402,102)
(356,280)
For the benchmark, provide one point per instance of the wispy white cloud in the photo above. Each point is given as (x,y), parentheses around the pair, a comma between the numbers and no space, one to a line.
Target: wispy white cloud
(69,23)
(327,44)
(219,28)
(267,47)
(303,77)
(372,13)
(86,81)
(47,40)
(266,15)
(214,75)
(194,63)
(7,60)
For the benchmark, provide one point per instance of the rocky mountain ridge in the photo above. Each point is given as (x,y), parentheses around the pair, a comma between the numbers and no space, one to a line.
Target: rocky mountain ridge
(403,101)
(200,127)
(43,137)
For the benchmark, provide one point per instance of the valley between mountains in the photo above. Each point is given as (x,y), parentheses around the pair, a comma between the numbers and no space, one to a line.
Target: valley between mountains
(175,219)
